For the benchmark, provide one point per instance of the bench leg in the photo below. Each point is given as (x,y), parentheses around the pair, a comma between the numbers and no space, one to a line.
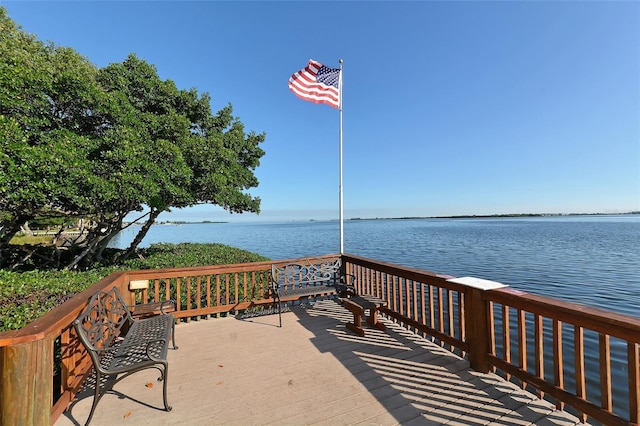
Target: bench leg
(279,311)
(96,397)
(167,407)
(357,311)
(356,328)
(173,333)
(372,320)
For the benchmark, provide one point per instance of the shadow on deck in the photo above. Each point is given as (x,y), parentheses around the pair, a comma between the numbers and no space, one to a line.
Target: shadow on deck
(313,371)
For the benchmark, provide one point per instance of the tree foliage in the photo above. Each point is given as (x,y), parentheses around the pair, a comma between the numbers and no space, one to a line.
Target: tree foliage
(79,142)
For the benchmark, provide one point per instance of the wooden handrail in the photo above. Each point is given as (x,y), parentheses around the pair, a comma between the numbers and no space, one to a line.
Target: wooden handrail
(617,325)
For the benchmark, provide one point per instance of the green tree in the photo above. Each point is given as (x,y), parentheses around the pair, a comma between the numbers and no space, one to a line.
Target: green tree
(48,119)
(99,144)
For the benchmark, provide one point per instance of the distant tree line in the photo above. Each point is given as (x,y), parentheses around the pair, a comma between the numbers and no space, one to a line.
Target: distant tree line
(87,145)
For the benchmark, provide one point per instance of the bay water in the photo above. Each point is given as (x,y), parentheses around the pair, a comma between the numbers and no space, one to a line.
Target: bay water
(593,260)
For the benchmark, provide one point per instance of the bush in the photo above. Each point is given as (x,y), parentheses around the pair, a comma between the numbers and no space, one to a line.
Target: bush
(25,296)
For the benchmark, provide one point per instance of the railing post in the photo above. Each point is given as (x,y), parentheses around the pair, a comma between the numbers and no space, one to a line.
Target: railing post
(477,320)
(26,385)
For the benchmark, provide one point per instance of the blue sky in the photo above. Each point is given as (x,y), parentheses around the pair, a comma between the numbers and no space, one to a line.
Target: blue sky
(450,108)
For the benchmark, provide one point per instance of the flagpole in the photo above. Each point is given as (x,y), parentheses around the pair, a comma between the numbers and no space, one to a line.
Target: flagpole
(341,201)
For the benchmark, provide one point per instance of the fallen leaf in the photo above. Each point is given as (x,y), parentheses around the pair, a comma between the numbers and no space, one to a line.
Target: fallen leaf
(127,414)
(219,383)
(149,385)
(220,365)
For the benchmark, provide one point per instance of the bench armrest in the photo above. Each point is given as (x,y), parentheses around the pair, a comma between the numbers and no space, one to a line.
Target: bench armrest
(164,306)
(346,285)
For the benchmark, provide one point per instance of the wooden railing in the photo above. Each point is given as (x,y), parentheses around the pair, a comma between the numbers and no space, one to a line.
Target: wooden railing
(43,366)
(523,337)
(532,336)
(470,321)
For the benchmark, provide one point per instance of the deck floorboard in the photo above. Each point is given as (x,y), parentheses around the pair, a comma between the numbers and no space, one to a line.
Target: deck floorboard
(313,371)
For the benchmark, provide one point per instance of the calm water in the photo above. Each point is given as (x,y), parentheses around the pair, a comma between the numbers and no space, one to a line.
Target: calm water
(593,260)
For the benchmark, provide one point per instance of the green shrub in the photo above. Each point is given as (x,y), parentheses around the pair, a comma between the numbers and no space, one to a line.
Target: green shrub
(25,296)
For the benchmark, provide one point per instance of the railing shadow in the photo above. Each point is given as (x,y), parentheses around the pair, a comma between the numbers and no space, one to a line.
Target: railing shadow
(417,381)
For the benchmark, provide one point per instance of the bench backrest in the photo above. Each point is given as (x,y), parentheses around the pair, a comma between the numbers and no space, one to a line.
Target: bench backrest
(103,320)
(299,274)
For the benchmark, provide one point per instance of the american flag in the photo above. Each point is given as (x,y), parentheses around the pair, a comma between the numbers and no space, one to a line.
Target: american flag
(317,83)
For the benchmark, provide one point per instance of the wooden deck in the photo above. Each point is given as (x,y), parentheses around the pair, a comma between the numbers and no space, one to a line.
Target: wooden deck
(313,371)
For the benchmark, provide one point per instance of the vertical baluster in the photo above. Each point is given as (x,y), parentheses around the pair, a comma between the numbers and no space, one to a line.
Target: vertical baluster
(634,382)
(208,291)
(189,304)
(522,343)
(407,296)
(440,313)
(244,288)
(450,312)
(581,384)
(605,371)
(462,324)
(178,294)
(199,292)
(189,301)
(558,367)
(423,310)
(492,330)
(385,290)
(218,290)
(415,291)
(394,305)
(506,337)
(236,281)
(539,349)
(432,312)
(156,290)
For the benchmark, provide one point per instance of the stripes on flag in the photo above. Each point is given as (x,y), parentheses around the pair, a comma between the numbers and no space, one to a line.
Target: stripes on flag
(317,83)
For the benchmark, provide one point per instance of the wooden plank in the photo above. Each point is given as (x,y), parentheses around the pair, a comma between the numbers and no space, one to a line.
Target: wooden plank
(218,291)
(539,349)
(450,312)
(605,371)
(634,382)
(432,312)
(581,387)
(440,314)
(558,364)
(423,307)
(26,384)
(506,337)
(208,291)
(522,343)
(462,321)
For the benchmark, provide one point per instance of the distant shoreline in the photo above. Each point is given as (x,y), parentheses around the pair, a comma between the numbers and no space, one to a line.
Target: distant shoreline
(493,216)
(490,216)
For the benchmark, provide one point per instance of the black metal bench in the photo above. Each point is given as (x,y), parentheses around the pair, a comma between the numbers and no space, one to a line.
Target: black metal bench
(120,345)
(297,281)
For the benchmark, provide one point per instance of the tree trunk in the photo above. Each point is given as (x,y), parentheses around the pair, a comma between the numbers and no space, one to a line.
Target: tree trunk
(7,231)
(153,214)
